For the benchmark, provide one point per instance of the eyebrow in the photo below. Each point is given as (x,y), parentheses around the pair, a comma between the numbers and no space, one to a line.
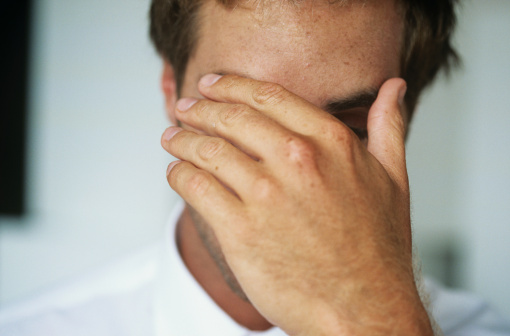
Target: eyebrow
(359,99)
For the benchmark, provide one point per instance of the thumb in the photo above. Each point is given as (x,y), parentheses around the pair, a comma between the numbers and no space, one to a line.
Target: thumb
(387,128)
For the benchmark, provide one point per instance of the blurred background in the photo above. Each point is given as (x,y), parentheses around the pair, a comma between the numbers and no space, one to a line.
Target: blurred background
(95,187)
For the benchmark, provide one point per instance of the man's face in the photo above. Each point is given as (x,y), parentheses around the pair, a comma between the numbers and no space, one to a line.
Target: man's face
(322,52)
(319,51)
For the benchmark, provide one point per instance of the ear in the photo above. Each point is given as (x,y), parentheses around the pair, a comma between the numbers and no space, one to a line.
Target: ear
(169,88)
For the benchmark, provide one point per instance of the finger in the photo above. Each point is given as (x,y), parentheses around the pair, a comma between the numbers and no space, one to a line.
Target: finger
(273,100)
(386,129)
(251,131)
(203,192)
(215,155)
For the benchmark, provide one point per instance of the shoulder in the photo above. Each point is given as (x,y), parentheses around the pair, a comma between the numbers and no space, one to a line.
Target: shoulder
(461,313)
(115,296)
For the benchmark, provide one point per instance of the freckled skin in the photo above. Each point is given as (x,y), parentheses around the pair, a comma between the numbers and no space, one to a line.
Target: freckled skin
(335,49)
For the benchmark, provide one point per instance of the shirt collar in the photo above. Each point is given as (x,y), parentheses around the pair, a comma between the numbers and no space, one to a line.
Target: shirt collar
(181,306)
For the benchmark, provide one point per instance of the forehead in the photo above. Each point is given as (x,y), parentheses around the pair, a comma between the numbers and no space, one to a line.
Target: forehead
(313,48)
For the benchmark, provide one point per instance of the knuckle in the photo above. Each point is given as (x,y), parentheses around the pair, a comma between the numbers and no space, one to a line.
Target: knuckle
(233,114)
(198,183)
(269,93)
(264,188)
(348,142)
(201,108)
(335,130)
(229,81)
(339,134)
(399,124)
(299,150)
(211,148)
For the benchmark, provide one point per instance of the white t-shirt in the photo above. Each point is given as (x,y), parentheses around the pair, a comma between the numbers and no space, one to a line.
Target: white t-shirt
(153,293)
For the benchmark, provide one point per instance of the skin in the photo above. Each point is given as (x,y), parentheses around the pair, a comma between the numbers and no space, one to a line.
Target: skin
(287,207)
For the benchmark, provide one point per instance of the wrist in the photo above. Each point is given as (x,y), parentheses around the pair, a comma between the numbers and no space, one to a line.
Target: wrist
(389,312)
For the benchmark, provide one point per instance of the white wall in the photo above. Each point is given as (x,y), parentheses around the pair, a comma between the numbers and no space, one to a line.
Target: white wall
(486,154)
(96,178)
(459,157)
(97,186)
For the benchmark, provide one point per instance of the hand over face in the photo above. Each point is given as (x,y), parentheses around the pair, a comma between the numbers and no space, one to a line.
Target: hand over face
(314,224)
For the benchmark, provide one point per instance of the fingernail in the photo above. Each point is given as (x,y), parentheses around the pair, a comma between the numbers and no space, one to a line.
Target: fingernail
(209,80)
(171,165)
(185,103)
(170,132)
(401,95)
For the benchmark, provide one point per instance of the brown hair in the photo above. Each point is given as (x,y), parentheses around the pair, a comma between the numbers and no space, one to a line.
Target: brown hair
(428,26)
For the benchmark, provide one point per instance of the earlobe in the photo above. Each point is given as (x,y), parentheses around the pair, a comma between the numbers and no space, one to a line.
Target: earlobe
(169,88)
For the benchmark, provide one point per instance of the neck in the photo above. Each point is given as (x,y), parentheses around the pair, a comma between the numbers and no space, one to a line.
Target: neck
(205,271)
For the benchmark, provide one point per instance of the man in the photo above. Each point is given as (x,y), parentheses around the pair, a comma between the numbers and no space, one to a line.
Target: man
(305,219)
(309,221)
(314,226)
(292,120)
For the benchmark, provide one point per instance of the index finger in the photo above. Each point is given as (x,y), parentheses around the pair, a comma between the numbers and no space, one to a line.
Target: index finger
(273,100)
